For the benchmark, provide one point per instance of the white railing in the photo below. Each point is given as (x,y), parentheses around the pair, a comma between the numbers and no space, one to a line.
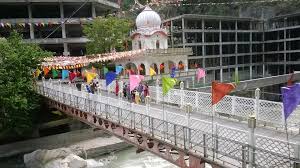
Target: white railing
(227,142)
(269,112)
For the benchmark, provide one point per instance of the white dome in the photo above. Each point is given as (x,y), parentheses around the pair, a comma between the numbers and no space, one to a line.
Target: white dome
(148,19)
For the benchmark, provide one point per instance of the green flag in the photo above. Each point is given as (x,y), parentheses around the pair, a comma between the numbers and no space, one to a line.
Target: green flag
(105,70)
(54,73)
(167,84)
(236,77)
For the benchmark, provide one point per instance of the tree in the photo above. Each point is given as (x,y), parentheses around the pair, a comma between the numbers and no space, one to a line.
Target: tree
(106,34)
(18,100)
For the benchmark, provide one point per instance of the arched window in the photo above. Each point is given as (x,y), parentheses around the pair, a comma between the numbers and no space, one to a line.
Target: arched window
(140,44)
(157,44)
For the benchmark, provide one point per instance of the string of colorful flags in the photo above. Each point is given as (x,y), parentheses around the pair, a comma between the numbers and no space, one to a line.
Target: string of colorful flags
(4,23)
(76,62)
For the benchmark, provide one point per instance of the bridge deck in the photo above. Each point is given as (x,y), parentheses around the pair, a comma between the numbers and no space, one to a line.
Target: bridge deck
(228,137)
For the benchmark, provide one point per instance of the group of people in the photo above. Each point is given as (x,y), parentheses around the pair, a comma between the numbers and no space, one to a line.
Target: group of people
(137,95)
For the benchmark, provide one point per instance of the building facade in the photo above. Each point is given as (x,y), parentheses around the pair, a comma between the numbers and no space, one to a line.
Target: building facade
(36,20)
(225,45)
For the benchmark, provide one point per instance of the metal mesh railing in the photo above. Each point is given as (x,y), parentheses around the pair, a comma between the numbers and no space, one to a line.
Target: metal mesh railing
(214,141)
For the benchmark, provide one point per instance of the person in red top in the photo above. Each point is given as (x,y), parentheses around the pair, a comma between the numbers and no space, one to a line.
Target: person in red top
(146,90)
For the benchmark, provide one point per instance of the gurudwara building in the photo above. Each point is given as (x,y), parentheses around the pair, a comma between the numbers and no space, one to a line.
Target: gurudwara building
(150,37)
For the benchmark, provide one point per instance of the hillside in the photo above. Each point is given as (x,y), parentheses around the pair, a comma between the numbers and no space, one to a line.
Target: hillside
(253,8)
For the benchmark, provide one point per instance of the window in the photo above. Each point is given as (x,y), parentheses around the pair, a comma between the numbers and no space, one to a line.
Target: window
(228,37)
(140,45)
(211,24)
(228,25)
(211,37)
(157,44)
(243,36)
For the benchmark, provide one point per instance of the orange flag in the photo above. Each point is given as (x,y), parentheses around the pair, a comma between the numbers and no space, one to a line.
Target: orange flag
(219,90)
(46,71)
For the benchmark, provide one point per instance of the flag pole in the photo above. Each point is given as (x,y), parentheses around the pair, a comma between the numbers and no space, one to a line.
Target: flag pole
(287,140)
(212,128)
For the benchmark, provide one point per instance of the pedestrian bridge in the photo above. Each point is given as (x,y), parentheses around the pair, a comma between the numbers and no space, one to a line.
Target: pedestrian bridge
(187,137)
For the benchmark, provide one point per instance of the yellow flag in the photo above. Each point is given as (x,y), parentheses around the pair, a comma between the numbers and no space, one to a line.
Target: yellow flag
(90,76)
(37,72)
(152,72)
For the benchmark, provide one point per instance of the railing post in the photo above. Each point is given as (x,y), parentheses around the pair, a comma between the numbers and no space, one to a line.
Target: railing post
(181,94)
(193,81)
(244,156)
(233,104)
(187,84)
(157,91)
(147,101)
(257,96)
(296,148)
(188,116)
(204,145)
(251,140)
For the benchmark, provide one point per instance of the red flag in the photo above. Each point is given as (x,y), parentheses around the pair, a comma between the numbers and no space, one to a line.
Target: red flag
(290,81)
(219,90)
(72,75)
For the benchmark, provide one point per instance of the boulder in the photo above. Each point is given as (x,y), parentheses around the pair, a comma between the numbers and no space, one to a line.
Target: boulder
(74,161)
(39,158)
(91,163)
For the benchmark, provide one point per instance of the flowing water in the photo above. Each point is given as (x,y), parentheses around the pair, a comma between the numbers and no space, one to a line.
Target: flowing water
(122,159)
(130,159)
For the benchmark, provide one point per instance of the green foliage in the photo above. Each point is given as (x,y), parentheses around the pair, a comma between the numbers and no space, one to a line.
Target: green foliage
(18,100)
(106,34)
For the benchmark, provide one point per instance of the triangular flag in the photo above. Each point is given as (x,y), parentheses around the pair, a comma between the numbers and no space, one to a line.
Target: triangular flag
(37,72)
(219,90)
(290,99)
(72,76)
(134,81)
(46,71)
(54,73)
(290,81)
(200,73)
(90,76)
(152,72)
(236,77)
(110,77)
(105,70)
(64,74)
(172,74)
(118,69)
(167,84)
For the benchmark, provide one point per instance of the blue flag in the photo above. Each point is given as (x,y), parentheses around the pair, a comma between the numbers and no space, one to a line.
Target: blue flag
(172,74)
(290,99)
(118,69)
(65,74)
(88,88)
(110,77)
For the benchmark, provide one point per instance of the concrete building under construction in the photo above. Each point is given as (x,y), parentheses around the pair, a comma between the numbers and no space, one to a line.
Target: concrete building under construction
(36,20)
(253,47)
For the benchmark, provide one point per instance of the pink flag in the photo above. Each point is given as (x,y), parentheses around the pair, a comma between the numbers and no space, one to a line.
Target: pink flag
(200,73)
(134,81)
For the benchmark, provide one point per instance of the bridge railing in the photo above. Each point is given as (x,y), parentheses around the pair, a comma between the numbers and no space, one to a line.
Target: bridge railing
(214,141)
(269,112)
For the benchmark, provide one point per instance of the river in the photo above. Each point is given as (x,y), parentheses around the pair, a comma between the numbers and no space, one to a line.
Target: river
(130,159)
(122,159)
